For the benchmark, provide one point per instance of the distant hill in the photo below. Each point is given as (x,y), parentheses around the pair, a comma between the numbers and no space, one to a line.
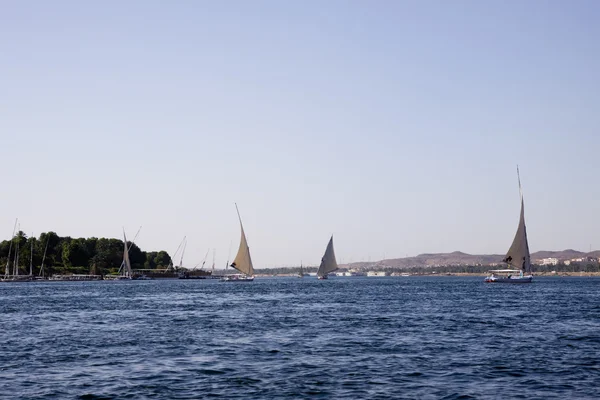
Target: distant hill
(460,258)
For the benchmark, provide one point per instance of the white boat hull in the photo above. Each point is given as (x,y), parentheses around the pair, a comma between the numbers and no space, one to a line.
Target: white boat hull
(515,279)
(237,278)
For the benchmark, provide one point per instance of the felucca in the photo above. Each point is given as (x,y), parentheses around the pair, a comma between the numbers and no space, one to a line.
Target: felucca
(518,255)
(242,261)
(126,272)
(328,263)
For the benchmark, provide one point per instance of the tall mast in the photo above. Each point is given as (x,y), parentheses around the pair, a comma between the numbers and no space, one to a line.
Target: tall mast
(128,271)
(31,256)
(44,257)
(12,238)
(213,264)
(175,254)
(204,261)
(229,254)
(519,178)
(16,266)
(129,247)
(182,253)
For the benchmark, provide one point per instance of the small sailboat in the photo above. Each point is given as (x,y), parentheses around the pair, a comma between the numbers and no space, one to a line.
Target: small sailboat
(126,272)
(328,263)
(518,255)
(242,261)
(301,273)
(31,258)
(41,274)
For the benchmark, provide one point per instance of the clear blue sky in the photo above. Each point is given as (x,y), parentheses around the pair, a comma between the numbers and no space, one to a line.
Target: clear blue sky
(394,125)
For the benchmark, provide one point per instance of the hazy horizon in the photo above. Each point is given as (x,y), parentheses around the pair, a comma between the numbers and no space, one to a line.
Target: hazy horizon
(394,126)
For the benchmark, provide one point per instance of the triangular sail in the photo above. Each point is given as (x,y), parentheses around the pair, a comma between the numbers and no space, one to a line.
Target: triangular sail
(518,255)
(243,261)
(126,257)
(328,262)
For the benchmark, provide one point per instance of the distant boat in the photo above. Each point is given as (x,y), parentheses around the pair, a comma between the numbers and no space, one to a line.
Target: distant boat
(41,274)
(518,255)
(126,273)
(242,261)
(31,258)
(328,263)
(301,273)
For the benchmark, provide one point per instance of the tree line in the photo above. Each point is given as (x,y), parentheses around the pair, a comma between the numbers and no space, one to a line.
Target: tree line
(65,255)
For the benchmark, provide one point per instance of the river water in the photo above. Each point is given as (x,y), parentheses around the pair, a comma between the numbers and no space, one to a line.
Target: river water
(343,338)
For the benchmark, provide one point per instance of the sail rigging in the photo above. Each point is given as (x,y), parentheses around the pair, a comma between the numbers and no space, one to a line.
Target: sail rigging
(16,265)
(213,264)
(44,257)
(518,254)
(126,261)
(31,257)
(328,262)
(242,261)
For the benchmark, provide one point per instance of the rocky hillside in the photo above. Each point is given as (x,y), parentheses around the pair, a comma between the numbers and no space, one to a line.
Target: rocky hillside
(460,258)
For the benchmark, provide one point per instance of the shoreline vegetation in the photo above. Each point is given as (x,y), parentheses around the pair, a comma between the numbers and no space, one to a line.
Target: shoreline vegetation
(67,255)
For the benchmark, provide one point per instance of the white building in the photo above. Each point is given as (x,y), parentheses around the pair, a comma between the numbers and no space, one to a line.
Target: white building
(549,261)
(376,273)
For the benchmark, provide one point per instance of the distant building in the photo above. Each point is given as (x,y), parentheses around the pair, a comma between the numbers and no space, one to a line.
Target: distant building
(549,261)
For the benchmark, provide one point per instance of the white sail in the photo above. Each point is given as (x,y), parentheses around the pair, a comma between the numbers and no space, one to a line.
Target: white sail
(243,261)
(126,257)
(328,262)
(518,255)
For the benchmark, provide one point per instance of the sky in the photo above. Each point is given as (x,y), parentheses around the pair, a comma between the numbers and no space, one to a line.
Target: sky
(395,126)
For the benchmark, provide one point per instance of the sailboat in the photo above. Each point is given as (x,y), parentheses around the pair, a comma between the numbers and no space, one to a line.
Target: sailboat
(127,273)
(242,261)
(31,259)
(301,273)
(41,274)
(518,256)
(328,263)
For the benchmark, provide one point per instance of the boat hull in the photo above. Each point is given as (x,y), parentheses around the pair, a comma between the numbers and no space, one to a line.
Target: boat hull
(513,280)
(17,278)
(322,277)
(237,278)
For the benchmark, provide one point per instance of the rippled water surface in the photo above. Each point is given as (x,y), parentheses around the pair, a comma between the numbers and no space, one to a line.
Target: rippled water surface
(404,337)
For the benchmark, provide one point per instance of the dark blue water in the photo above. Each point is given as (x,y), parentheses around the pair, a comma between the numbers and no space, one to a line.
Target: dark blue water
(445,337)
